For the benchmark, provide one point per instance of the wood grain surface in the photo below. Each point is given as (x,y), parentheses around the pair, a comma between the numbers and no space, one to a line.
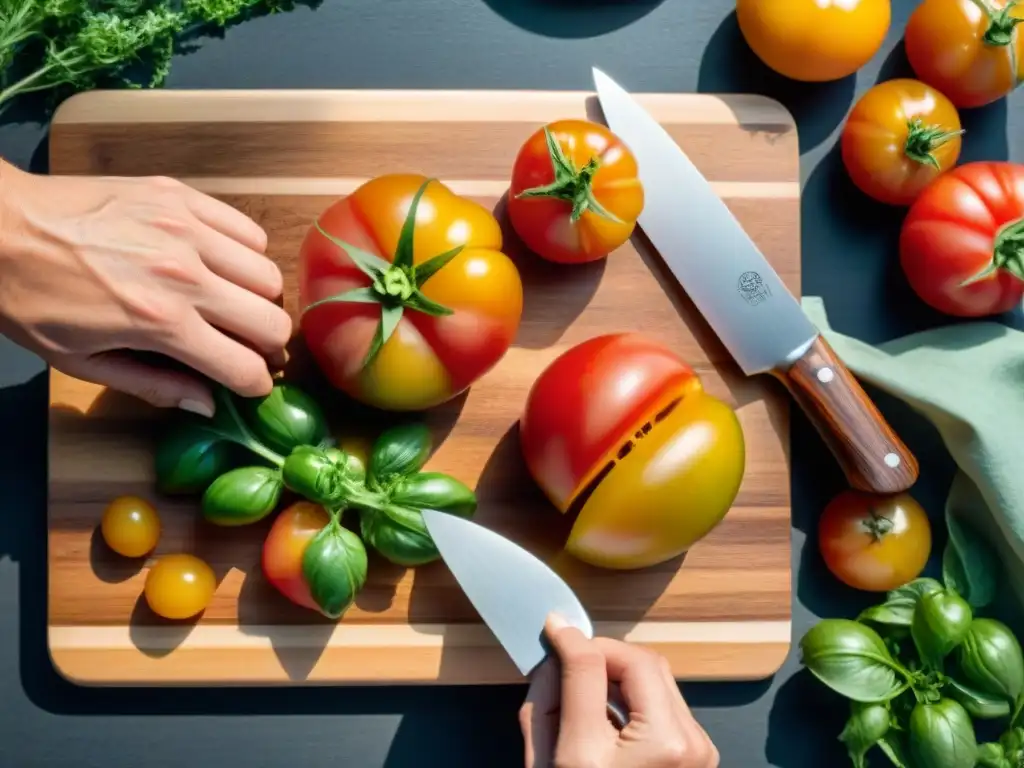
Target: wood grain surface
(722,612)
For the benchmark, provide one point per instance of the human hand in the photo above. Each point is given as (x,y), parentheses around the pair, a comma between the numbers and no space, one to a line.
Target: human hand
(564,720)
(96,270)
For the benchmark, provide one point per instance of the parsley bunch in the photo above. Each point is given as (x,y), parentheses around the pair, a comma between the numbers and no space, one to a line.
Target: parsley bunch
(63,46)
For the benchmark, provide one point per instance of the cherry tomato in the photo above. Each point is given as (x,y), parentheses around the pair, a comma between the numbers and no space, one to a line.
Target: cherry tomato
(575,195)
(621,428)
(971,50)
(814,40)
(179,586)
(441,329)
(130,526)
(874,543)
(962,241)
(284,546)
(899,136)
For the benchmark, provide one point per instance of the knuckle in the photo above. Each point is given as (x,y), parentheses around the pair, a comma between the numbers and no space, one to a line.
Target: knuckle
(525,717)
(674,753)
(165,182)
(714,758)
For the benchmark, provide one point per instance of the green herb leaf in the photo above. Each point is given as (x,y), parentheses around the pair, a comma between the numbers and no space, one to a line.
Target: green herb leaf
(314,474)
(979,704)
(334,566)
(399,451)
(941,622)
(867,724)
(991,755)
(893,746)
(190,457)
(991,660)
(242,496)
(969,564)
(432,266)
(403,251)
(852,660)
(286,418)
(942,736)
(435,490)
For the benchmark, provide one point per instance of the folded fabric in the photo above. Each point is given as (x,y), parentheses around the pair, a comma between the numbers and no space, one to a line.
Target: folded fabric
(968,380)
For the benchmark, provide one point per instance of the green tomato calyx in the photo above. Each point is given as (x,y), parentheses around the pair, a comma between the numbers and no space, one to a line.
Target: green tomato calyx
(923,140)
(1001,25)
(877,524)
(1008,252)
(396,285)
(574,186)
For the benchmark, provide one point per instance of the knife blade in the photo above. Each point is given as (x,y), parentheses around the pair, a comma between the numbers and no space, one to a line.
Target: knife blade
(511,589)
(745,302)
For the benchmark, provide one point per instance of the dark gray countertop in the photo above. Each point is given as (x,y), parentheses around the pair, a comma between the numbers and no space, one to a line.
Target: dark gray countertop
(849,258)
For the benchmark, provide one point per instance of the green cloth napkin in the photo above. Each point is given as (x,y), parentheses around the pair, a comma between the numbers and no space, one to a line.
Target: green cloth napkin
(968,380)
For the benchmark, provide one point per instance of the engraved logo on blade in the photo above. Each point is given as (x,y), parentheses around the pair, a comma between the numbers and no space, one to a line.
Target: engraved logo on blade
(753,289)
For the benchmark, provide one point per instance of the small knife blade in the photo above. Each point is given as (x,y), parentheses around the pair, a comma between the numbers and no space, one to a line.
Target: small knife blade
(511,589)
(745,301)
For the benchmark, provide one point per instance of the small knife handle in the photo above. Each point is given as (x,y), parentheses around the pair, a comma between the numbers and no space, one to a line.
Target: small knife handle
(869,452)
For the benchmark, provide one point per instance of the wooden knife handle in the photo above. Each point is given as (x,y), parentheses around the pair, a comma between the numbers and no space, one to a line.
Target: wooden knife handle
(871,455)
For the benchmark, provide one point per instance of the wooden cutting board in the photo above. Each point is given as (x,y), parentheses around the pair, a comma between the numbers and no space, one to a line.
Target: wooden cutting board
(282,157)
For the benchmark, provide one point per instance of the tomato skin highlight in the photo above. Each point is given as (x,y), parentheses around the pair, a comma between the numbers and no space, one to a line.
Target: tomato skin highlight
(179,586)
(130,526)
(866,561)
(946,46)
(428,359)
(285,545)
(544,223)
(963,224)
(678,453)
(814,40)
(891,133)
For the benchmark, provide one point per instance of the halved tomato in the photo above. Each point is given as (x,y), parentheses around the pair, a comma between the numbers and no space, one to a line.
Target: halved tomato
(621,430)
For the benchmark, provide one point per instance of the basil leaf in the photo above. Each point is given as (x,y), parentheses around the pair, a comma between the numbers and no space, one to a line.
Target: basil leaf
(434,490)
(189,458)
(400,450)
(979,704)
(242,496)
(894,747)
(399,534)
(991,660)
(866,725)
(941,622)
(991,755)
(889,614)
(969,564)
(942,736)
(852,660)
(914,590)
(334,567)
(312,473)
(286,418)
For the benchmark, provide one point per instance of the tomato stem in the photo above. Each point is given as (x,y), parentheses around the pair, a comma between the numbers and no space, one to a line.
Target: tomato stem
(1008,252)
(878,525)
(1001,25)
(923,140)
(572,185)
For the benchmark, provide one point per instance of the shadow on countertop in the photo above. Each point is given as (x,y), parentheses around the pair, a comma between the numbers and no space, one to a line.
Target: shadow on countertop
(562,18)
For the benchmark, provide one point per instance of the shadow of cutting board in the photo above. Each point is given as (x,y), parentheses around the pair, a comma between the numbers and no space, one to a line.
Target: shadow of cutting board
(282,157)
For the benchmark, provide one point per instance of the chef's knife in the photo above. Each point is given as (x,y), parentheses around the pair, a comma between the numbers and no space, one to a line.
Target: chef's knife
(746,304)
(512,590)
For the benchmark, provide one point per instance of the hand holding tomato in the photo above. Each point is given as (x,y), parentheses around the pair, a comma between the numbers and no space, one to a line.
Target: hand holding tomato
(874,543)
(575,196)
(962,242)
(971,50)
(407,296)
(622,429)
(899,136)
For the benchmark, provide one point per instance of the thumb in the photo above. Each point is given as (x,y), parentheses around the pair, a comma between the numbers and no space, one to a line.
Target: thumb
(161,387)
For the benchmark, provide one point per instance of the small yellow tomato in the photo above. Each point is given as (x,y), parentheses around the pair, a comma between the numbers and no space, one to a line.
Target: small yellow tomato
(130,526)
(179,586)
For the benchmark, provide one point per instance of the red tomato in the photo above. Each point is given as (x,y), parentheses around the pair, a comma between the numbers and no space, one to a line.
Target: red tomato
(899,136)
(442,329)
(621,428)
(874,543)
(971,50)
(575,195)
(284,546)
(962,242)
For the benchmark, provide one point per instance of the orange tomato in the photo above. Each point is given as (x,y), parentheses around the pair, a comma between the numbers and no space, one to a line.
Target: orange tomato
(285,545)
(874,543)
(388,329)
(179,586)
(574,196)
(899,136)
(814,40)
(971,50)
(130,526)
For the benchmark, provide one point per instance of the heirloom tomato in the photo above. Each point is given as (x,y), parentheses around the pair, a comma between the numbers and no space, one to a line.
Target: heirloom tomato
(406,296)
(971,50)
(621,430)
(899,136)
(179,586)
(814,40)
(284,546)
(962,241)
(575,195)
(874,543)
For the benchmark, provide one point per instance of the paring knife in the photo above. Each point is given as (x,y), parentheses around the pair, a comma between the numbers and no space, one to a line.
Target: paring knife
(746,304)
(512,590)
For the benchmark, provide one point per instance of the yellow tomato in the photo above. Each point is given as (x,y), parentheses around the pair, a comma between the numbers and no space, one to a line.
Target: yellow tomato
(130,526)
(814,40)
(179,586)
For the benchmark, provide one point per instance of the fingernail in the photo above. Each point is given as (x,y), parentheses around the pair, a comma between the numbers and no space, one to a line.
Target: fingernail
(196,406)
(556,621)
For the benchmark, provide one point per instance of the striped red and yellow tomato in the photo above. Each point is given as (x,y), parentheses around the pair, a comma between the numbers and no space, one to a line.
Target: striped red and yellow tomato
(407,297)
(621,430)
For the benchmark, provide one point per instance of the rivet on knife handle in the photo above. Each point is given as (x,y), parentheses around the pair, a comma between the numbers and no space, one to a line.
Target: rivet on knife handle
(870,453)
